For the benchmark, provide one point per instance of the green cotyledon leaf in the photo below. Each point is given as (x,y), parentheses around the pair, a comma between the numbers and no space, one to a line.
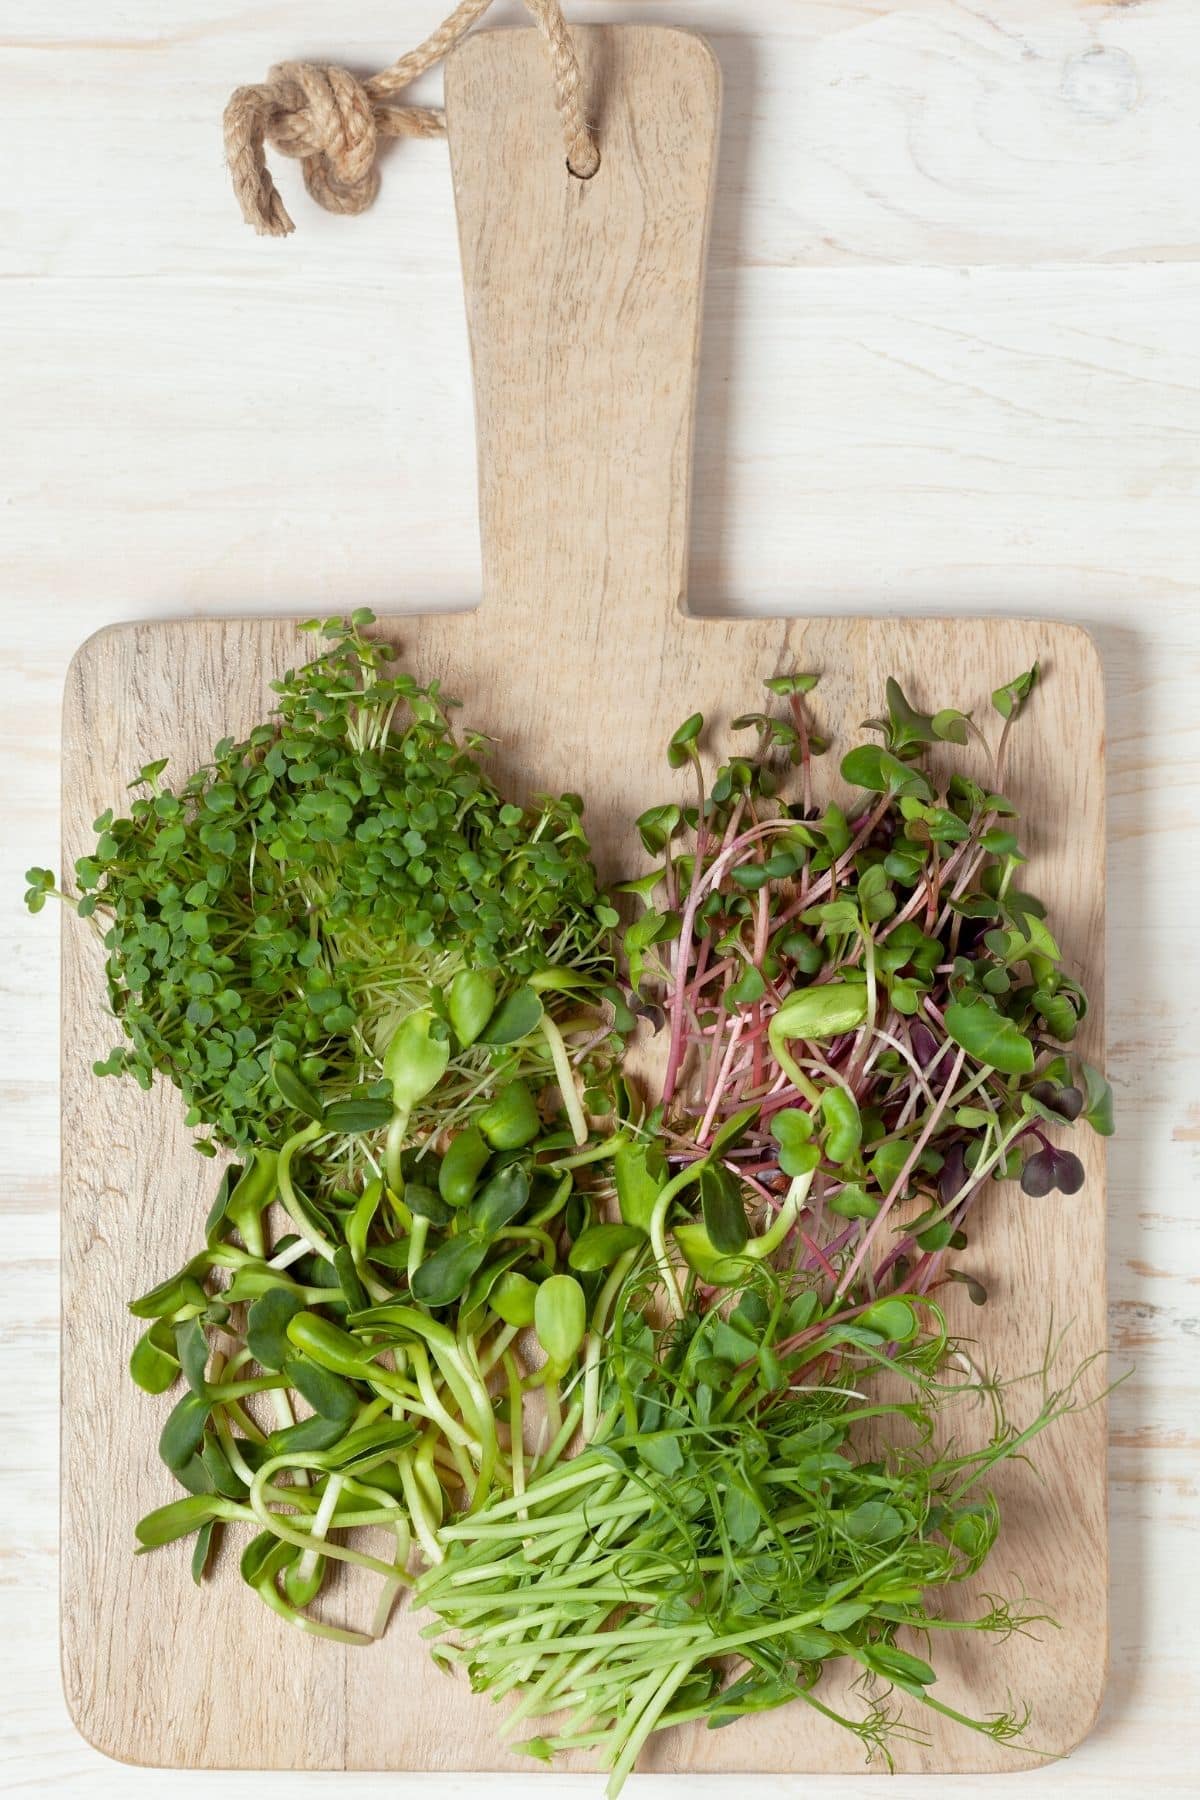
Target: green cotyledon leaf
(989,1037)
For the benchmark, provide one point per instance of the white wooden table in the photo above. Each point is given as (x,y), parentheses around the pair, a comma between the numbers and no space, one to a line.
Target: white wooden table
(951,364)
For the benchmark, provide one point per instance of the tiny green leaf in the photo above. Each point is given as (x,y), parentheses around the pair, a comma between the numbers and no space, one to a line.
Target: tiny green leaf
(724,1210)
(682,746)
(153,1367)
(640,1178)
(843,1122)
(1009,698)
(600,1246)
(179,1519)
(443,1277)
(470,1003)
(416,1058)
(267,1320)
(500,1200)
(353,1117)
(520,1014)
(792,1130)
(513,1298)
(560,1318)
(880,772)
(295,1093)
(950,726)
(989,1037)
(1098,1101)
(895,1320)
(183,1432)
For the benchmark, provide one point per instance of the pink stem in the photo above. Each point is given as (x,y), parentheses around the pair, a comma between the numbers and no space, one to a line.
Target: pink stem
(801,723)
(828,879)
(897,1186)
(819,1257)
(706,1124)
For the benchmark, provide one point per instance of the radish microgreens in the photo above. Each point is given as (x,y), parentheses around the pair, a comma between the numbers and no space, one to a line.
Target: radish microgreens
(864,985)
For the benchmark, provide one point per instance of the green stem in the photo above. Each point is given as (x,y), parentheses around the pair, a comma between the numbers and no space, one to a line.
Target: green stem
(516,1424)
(658,1239)
(644,1725)
(566,1078)
(266,1590)
(306,1567)
(562,1437)
(598,1153)
(275,1522)
(423,1525)
(595,1342)
(287,1192)
(416,1244)
(397,1131)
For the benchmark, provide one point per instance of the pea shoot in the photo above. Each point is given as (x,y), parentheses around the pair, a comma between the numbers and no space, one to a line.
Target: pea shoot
(723,1543)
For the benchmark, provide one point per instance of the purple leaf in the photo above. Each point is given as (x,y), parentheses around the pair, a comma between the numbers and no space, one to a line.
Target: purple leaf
(1049,1169)
(1067,1102)
(953,1174)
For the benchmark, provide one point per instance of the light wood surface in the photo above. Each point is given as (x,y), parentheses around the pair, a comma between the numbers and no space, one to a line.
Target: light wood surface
(921,391)
(583,303)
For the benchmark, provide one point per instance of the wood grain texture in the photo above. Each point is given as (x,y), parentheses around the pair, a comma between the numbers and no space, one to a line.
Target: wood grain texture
(583,303)
(878,434)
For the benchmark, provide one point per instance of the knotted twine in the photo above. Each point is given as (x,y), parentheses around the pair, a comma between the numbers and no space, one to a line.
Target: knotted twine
(333,122)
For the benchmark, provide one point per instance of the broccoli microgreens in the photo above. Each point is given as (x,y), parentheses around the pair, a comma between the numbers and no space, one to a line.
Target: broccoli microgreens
(268,926)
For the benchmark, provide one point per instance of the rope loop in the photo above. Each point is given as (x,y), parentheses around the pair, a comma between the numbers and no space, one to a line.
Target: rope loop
(332,122)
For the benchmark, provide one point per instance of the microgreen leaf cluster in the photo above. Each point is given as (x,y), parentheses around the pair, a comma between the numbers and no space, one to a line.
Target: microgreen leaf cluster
(298,895)
(724,1541)
(864,984)
(341,1374)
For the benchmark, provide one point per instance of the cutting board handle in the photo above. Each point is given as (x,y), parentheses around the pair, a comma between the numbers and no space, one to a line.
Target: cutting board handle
(583,308)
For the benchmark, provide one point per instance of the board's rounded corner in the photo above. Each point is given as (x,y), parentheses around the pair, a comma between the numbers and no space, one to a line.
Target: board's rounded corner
(79,668)
(1080,1733)
(91,1735)
(93,643)
(690,35)
(1085,644)
(707,55)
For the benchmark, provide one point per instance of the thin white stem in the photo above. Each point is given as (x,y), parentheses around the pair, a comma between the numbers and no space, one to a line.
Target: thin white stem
(897,1187)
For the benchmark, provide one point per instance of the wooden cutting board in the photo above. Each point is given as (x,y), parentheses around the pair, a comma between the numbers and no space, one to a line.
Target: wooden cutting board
(583,304)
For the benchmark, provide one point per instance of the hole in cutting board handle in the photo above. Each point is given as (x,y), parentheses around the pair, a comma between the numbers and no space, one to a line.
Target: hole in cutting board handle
(576,176)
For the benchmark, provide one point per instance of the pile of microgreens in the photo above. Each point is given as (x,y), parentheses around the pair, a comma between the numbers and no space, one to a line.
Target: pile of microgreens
(269,925)
(723,1541)
(444,1258)
(866,1017)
